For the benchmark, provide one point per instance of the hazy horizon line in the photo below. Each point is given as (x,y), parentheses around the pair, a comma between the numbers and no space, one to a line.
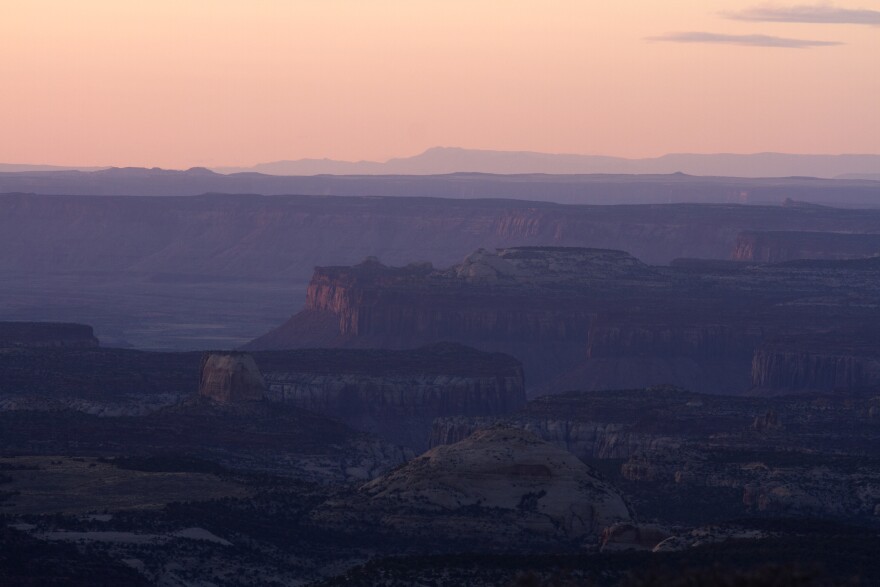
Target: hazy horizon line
(61,167)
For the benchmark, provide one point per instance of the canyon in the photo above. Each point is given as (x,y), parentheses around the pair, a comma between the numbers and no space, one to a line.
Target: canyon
(472,389)
(215,271)
(218,463)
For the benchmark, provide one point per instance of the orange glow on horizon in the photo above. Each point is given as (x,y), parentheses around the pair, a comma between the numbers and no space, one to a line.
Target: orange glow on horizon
(225,82)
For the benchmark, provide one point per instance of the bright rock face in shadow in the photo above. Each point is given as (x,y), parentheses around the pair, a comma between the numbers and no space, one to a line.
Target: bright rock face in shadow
(231,378)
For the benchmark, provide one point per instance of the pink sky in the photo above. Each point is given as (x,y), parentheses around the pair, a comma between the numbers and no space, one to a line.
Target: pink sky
(178,83)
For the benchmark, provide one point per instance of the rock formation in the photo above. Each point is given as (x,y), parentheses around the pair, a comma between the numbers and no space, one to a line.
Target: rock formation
(501,485)
(231,378)
(396,394)
(767,422)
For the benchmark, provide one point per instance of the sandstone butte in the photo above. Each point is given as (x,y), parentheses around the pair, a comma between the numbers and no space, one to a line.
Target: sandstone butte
(231,378)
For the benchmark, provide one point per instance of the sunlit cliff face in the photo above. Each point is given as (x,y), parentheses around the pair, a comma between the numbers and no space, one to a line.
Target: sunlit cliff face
(183,83)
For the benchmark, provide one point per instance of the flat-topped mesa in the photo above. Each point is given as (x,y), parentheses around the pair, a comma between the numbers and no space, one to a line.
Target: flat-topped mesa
(332,288)
(409,306)
(46,335)
(228,377)
(778,246)
(586,318)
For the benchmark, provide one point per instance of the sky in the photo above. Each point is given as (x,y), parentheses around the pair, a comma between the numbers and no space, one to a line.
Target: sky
(181,83)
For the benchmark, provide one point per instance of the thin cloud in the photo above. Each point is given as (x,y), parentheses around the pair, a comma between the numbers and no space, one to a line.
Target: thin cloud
(819,13)
(745,40)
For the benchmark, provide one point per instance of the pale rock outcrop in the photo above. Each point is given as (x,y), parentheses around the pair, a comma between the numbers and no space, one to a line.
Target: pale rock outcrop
(502,485)
(231,378)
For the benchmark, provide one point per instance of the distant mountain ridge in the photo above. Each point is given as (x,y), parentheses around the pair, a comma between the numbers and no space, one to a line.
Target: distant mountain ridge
(25,168)
(440,160)
(559,188)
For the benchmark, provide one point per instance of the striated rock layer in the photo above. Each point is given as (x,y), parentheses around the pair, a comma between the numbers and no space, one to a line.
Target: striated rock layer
(400,405)
(398,402)
(820,362)
(776,246)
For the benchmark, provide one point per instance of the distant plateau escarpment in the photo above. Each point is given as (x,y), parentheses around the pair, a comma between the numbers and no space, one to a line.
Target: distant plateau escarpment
(591,318)
(46,335)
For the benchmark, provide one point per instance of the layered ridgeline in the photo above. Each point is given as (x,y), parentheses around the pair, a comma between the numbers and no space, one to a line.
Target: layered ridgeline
(253,237)
(163,408)
(588,318)
(395,395)
(520,181)
(187,273)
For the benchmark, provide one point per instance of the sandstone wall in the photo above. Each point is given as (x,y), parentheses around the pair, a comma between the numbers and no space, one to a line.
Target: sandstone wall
(398,407)
(777,246)
(230,378)
(788,370)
